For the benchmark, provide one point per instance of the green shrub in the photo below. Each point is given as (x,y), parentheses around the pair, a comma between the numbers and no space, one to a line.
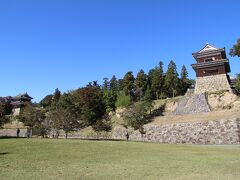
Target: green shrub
(123,100)
(238,83)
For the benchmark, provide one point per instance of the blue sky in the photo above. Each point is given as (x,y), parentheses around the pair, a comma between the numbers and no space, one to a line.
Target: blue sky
(49,44)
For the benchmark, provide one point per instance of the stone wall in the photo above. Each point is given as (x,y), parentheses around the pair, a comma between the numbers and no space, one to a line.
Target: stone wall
(193,103)
(204,132)
(16,111)
(212,83)
(12,132)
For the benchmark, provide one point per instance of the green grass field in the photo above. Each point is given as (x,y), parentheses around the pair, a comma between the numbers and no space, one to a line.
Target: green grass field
(76,159)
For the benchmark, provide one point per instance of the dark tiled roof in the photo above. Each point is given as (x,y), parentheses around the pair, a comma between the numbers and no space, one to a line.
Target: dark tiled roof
(212,64)
(24,96)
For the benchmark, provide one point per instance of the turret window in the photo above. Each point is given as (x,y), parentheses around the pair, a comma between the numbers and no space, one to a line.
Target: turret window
(211,72)
(208,60)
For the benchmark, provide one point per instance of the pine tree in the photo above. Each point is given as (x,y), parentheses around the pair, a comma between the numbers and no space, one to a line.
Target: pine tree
(141,83)
(184,81)
(120,85)
(110,98)
(55,99)
(149,77)
(161,75)
(57,95)
(114,84)
(106,84)
(128,83)
(171,83)
(157,80)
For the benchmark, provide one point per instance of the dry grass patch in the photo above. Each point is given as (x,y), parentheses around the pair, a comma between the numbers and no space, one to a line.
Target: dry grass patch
(216,115)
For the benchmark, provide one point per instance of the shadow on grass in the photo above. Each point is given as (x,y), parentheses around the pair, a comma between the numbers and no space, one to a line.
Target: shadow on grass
(10,137)
(4,153)
(69,138)
(95,139)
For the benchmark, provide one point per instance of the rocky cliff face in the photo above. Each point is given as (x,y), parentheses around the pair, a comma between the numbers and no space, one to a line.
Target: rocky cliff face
(221,100)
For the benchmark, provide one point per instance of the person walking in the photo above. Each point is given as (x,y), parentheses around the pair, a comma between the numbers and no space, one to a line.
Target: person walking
(127,136)
(28,133)
(18,132)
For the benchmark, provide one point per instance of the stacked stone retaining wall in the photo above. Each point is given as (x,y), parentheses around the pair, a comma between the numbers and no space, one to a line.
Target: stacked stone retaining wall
(212,83)
(193,103)
(204,132)
(12,132)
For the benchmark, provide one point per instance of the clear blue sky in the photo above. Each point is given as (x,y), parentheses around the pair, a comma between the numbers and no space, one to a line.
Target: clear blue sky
(48,44)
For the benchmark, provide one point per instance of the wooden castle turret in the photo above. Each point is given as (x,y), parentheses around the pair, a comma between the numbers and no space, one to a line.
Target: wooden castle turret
(211,69)
(18,103)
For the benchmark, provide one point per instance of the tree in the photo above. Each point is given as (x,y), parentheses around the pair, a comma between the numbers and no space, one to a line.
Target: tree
(62,118)
(55,99)
(5,110)
(110,98)
(235,50)
(171,80)
(28,115)
(161,75)
(185,83)
(89,100)
(42,128)
(3,119)
(106,84)
(136,116)
(46,101)
(238,84)
(141,83)
(57,95)
(157,80)
(128,83)
(150,77)
(66,116)
(103,124)
(1,114)
(120,85)
(33,118)
(148,100)
(114,84)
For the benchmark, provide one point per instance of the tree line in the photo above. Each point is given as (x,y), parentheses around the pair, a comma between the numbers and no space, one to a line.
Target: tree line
(90,105)
(158,83)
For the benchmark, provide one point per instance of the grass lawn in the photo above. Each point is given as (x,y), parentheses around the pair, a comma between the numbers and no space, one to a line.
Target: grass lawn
(76,159)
